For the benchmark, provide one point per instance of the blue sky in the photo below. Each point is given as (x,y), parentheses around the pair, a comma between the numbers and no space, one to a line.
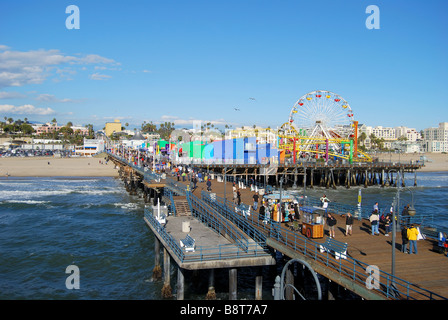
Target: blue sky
(181,61)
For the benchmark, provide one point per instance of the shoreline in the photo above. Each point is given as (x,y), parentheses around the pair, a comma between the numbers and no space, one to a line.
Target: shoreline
(438,161)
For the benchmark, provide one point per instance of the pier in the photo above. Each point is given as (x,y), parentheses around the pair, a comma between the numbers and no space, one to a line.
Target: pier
(228,236)
(317,174)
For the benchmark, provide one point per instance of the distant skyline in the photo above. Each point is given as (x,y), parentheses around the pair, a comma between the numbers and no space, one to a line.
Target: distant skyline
(229,62)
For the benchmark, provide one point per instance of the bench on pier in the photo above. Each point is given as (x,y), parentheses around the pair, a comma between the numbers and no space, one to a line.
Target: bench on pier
(188,243)
(338,248)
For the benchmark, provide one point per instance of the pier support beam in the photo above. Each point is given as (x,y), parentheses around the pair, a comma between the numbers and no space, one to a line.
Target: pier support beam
(289,291)
(233,284)
(166,290)
(259,285)
(157,271)
(211,294)
(180,283)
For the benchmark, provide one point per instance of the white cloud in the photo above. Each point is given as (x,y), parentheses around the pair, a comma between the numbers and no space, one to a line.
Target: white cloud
(97,76)
(25,109)
(45,97)
(95,59)
(11,95)
(18,68)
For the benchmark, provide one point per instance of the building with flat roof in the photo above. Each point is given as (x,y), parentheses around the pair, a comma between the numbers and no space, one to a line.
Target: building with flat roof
(112,127)
(436,139)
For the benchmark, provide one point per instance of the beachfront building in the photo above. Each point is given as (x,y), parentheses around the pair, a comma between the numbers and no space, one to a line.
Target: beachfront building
(135,142)
(112,127)
(436,139)
(408,134)
(54,127)
(45,128)
(90,147)
(400,138)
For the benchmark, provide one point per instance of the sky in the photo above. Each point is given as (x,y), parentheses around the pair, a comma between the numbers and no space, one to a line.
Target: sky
(234,62)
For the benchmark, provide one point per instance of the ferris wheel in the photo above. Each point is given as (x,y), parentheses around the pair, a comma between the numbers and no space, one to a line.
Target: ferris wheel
(321,115)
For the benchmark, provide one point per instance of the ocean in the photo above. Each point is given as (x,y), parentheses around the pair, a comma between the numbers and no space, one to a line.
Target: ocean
(49,224)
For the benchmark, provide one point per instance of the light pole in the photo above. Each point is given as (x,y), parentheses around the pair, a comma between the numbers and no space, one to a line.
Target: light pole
(225,182)
(411,212)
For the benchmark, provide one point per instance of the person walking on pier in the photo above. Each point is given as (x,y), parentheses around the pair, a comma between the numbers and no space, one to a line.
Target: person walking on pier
(324,199)
(209,185)
(238,195)
(235,195)
(331,223)
(195,181)
(412,237)
(348,224)
(296,211)
(325,205)
(374,222)
(387,222)
(405,215)
(261,213)
(404,239)
(255,197)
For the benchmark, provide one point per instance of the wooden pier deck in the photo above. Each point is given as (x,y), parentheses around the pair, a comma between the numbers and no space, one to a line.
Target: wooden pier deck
(427,271)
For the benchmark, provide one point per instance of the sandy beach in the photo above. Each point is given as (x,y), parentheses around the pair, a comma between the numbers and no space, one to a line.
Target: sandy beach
(55,167)
(437,161)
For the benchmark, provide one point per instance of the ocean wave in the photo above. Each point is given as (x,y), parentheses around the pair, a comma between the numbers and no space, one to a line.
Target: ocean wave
(20,194)
(27,201)
(127,206)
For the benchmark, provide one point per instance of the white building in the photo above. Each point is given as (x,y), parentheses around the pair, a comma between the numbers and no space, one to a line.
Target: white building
(392,137)
(436,139)
(410,134)
(90,147)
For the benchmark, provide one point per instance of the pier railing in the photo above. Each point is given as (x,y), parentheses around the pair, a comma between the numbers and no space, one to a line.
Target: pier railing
(203,253)
(208,215)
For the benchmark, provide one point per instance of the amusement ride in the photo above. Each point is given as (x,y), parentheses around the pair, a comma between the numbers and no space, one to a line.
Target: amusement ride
(321,124)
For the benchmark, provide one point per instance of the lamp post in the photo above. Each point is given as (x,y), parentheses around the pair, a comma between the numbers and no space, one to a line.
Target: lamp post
(225,182)
(394,225)
(411,212)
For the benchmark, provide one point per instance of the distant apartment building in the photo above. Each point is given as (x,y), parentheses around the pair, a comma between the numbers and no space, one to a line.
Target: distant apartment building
(436,139)
(410,134)
(46,128)
(394,138)
(53,127)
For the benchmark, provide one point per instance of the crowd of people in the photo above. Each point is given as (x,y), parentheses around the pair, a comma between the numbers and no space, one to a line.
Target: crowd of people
(409,232)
